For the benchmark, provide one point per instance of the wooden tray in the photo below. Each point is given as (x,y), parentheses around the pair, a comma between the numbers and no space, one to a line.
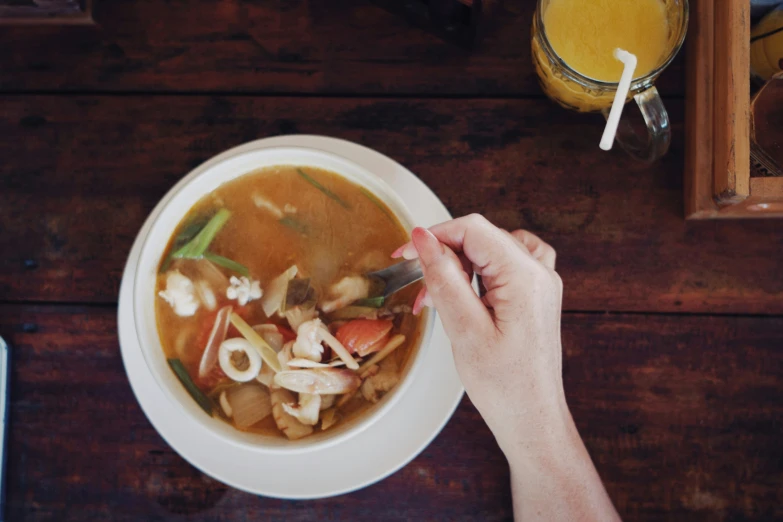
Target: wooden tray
(718,182)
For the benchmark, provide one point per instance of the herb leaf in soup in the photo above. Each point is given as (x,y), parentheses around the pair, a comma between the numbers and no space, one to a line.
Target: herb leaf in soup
(227,263)
(323,189)
(194,391)
(199,244)
(370,302)
(377,202)
(187,233)
(294,225)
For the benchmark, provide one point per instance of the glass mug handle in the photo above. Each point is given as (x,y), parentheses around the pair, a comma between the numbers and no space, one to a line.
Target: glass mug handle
(656,142)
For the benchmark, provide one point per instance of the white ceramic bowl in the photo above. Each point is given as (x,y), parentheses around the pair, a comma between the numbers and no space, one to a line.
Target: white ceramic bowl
(162,223)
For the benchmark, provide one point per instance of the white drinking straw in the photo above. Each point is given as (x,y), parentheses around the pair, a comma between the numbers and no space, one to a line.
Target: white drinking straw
(629,62)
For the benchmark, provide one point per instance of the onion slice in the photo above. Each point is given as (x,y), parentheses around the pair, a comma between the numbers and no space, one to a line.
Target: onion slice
(250,404)
(274,294)
(216,337)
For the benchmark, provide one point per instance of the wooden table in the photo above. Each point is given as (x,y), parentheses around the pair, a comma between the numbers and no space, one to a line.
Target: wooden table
(673,330)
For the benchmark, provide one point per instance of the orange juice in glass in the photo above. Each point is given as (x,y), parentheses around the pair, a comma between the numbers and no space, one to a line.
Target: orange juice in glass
(573,44)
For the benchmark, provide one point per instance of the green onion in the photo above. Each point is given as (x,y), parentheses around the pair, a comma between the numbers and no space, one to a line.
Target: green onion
(377,202)
(199,244)
(187,233)
(293,224)
(323,189)
(190,386)
(370,302)
(354,312)
(227,263)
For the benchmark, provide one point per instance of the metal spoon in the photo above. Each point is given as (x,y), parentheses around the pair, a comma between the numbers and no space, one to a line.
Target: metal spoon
(396,277)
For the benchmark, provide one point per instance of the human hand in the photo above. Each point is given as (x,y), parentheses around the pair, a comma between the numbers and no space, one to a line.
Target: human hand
(506,344)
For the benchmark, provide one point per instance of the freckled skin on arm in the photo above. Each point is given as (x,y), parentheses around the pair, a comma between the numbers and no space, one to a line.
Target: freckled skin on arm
(507,350)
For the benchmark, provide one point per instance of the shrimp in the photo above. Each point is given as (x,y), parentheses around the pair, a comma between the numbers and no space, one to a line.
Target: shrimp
(297,316)
(308,345)
(327,401)
(345,292)
(307,410)
(285,422)
(285,354)
(380,381)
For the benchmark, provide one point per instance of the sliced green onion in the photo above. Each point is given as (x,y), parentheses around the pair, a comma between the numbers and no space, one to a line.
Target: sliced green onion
(293,224)
(354,312)
(189,231)
(266,352)
(377,202)
(199,244)
(194,391)
(323,189)
(370,302)
(227,263)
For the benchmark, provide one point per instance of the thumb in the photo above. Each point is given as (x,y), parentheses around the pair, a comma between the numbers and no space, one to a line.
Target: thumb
(460,309)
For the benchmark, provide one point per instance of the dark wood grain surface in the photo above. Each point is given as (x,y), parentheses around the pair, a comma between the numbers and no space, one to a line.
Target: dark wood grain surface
(677,433)
(283,46)
(673,336)
(617,223)
(18,12)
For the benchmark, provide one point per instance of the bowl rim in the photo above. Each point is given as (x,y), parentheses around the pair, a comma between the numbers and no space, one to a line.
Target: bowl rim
(163,375)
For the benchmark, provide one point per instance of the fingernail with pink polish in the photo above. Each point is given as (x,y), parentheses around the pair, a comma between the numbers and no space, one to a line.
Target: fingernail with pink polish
(427,245)
(398,253)
(417,303)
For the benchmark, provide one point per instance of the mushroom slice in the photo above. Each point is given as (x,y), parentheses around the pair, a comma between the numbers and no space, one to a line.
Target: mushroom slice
(307,410)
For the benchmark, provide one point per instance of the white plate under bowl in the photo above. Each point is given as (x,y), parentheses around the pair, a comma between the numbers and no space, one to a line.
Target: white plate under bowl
(403,431)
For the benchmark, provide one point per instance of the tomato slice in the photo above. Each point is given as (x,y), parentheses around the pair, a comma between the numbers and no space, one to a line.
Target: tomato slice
(287,333)
(364,336)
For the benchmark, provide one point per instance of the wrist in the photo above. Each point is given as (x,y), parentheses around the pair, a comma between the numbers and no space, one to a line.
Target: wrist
(546,433)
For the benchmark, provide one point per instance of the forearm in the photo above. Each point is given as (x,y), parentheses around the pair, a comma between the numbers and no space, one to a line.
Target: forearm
(553,479)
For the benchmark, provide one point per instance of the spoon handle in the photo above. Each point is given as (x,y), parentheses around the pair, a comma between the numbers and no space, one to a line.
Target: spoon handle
(399,276)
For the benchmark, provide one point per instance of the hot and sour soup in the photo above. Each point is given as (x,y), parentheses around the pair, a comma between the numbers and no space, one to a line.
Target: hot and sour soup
(262,308)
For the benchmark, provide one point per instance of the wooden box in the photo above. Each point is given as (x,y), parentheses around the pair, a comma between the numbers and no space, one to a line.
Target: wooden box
(718,180)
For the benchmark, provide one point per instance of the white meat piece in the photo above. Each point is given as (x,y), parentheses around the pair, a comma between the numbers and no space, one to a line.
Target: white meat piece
(307,410)
(308,340)
(180,294)
(296,316)
(286,423)
(327,401)
(346,291)
(383,381)
(243,290)
(263,203)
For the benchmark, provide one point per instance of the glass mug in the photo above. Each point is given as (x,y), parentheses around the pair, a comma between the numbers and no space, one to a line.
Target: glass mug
(578,92)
